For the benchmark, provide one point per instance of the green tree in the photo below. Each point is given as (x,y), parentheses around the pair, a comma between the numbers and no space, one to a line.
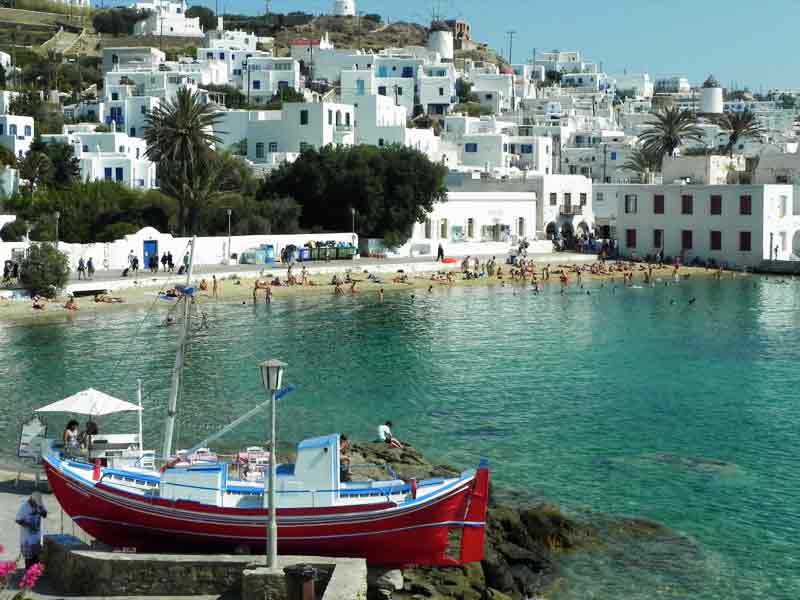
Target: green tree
(668,130)
(179,137)
(234,98)
(464,91)
(208,20)
(37,168)
(642,162)
(7,158)
(45,270)
(65,168)
(118,21)
(739,126)
(14,231)
(552,77)
(286,95)
(48,117)
(390,189)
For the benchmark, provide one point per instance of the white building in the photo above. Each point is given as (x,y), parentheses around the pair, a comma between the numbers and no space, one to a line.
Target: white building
(233,39)
(344,8)
(738,225)
(638,86)
(136,57)
(495,91)
(266,76)
(16,133)
(711,99)
(672,85)
(298,126)
(110,156)
(167,18)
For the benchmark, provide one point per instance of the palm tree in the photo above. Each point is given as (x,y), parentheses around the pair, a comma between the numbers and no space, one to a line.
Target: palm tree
(36,168)
(642,162)
(739,126)
(179,135)
(669,129)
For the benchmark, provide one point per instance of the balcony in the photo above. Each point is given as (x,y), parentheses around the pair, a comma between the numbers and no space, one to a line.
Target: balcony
(570,211)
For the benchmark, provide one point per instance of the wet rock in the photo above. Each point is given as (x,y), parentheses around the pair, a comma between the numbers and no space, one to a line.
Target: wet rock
(381,579)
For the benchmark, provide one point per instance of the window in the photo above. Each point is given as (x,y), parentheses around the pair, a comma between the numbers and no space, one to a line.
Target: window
(428,228)
(505,147)
(746,205)
(144,110)
(443,229)
(2,129)
(222,56)
(380,142)
(521,227)
(441,91)
(686,239)
(119,174)
(630,238)
(381,90)
(133,131)
(470,147)
(86,147)
(108,173)
(658,238)
(12,130)
(553,199)
(304,146)
(122,149)
(687,204)
(257,84)
(360,87)
(716,206)
(744,241)
(599,198)
(28,132)
(399,90)
(137,153)
(567,199)
(209,55)
(347,119)
(114,96)
(260,150)
(715,243)
(658,206)
(470,228)
(613,156)
(526,149)
(781,201)
(273,146)
(583,199)
(408,72)
(303,117)
(630,204)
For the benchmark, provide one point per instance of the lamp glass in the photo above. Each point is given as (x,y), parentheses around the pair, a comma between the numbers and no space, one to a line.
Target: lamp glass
(272,374)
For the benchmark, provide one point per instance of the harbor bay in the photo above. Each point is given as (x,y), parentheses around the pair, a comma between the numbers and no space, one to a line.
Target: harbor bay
(672,403)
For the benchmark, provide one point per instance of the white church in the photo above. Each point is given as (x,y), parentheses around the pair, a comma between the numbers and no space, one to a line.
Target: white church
(167,18)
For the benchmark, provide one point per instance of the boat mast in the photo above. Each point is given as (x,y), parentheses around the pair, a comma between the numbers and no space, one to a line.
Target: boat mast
(174,391)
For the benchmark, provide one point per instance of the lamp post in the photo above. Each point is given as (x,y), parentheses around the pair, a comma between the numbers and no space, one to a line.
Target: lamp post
(271,375)
(229,236)
(58,216)
(353,214)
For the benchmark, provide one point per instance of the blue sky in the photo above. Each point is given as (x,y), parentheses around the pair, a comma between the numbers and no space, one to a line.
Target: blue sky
(751,43)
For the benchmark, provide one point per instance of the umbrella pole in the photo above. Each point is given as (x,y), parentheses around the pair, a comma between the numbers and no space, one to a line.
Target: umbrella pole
(139,397)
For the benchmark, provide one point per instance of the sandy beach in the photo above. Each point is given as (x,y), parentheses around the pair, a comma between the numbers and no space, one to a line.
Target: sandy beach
(239,289)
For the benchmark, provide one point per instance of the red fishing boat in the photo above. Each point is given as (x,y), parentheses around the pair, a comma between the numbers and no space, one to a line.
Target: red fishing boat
(437,522)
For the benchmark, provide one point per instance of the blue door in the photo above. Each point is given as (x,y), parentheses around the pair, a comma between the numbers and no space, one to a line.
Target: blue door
(150,249)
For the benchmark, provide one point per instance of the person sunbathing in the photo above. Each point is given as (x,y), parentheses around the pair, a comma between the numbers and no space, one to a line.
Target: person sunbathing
(105,298)
(71,304)
(38,303)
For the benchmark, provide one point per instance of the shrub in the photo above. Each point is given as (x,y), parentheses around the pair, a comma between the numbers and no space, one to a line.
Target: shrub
(45,270)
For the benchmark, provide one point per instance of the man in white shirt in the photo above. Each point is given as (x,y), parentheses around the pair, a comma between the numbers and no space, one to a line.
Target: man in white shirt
(385,435)
(29,518)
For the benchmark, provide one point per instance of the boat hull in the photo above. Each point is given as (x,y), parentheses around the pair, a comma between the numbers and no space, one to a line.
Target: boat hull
(386,534)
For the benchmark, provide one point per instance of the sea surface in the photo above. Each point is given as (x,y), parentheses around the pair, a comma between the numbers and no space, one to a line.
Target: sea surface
(677,403)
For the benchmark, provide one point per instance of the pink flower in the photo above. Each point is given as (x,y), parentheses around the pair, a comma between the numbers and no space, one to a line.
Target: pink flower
(31,576)
(7,567)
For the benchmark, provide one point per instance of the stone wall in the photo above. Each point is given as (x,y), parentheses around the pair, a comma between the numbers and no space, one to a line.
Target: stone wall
(73,568)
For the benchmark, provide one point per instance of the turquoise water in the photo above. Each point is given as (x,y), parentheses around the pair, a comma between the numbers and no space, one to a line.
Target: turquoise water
(631,402)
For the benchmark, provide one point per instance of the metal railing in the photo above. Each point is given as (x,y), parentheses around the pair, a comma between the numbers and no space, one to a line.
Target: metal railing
(571,210)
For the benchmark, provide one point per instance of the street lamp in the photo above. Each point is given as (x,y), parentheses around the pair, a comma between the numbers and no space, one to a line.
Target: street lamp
(229,236)
(353,214)
(271,375)
(58,216)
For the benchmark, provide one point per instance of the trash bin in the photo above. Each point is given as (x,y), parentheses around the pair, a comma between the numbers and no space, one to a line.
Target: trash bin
(305,254)
(344,253)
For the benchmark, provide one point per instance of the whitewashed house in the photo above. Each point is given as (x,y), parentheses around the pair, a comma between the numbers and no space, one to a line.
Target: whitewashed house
(16,133)
(233,39)
(167,18)
(739,225)
(267,76)
(112,156)
(141,58)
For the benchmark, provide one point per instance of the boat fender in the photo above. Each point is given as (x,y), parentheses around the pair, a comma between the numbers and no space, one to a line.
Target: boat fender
(96,470)
(413,483)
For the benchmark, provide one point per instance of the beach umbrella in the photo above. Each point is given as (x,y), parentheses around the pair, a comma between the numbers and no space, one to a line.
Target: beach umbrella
(90,402)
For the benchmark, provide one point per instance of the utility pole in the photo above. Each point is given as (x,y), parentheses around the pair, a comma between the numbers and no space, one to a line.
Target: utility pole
(511,33)
(266,16)
(605,161)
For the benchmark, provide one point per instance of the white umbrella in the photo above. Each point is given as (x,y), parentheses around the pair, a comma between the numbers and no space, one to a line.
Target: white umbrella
(90,402)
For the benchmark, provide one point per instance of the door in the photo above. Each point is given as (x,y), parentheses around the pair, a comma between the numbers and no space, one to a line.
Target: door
(150,249)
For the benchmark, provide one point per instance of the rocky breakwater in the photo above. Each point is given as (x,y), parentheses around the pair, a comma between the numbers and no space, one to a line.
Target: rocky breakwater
(526,540)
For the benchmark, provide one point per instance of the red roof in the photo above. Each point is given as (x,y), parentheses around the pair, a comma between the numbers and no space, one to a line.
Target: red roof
(304,42)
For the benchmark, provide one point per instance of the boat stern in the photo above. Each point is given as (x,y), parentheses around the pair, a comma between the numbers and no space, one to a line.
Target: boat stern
(474,532)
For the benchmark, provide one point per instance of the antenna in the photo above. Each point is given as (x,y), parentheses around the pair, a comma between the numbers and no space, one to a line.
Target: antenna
(511,33)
